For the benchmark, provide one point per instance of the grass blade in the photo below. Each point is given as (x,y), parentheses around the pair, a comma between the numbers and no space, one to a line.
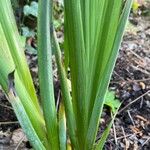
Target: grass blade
(62,128)
(107,73)
(25,121)
(66,94)
(5,58)
(45,72)
(9,27)
(76,47)
(102,50)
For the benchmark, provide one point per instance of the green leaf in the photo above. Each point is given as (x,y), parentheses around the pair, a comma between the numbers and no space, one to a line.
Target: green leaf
(45,72)
(7,65)
(111,101)
(76,47)
(92,40)
(25,121)
(31,10)
(135,5)
(62,127)
(93,31)
(65,88)
(16,50)
(26,32)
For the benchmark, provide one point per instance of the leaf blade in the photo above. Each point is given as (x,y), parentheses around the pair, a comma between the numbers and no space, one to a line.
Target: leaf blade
(45,72)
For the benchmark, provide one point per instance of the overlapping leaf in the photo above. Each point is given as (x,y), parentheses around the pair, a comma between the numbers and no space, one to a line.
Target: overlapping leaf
(91,30)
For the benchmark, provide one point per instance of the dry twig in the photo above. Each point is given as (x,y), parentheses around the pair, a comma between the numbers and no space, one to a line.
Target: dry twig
(133,101)
(19,143)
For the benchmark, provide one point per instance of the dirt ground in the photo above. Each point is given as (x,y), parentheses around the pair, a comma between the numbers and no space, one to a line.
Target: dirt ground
(130,81)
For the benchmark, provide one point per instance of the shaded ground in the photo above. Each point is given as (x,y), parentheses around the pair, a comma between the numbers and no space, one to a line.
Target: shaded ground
(130,80)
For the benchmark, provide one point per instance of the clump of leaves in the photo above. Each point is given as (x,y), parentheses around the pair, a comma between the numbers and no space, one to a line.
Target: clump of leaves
(93,31)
